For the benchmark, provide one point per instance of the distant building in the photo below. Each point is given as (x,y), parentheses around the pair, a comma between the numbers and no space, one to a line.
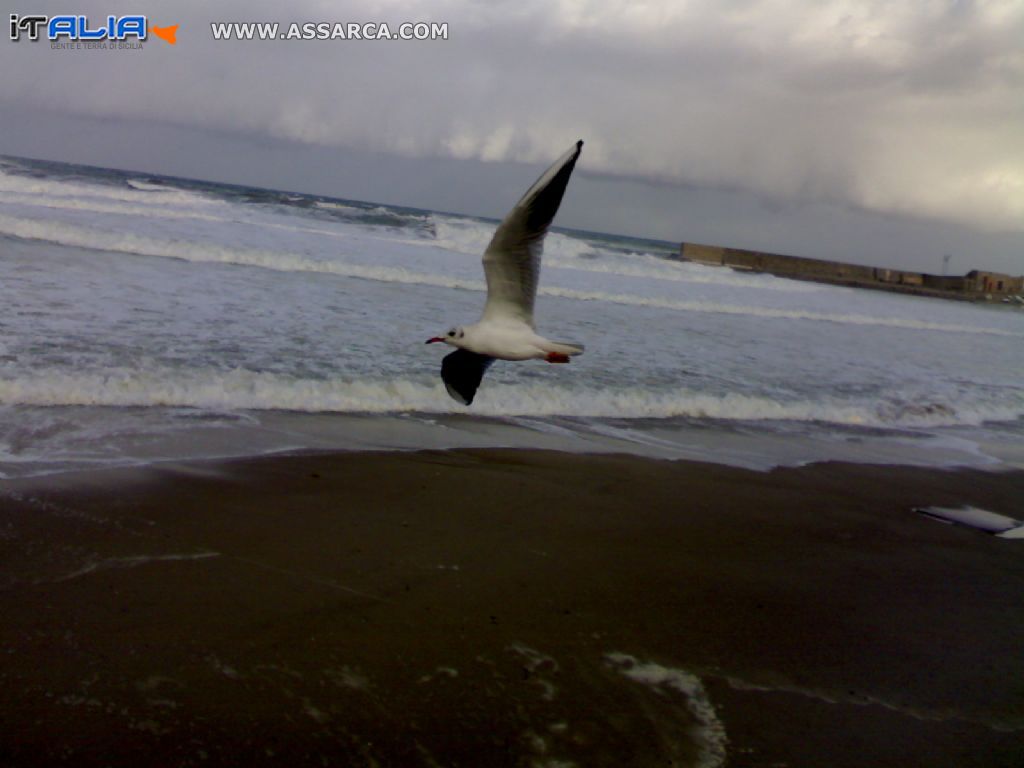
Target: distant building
(994,282)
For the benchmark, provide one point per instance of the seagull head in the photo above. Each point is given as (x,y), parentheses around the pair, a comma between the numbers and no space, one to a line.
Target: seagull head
(452,336)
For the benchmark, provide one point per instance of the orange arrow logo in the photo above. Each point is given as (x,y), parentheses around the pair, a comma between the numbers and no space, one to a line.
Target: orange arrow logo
(166,33)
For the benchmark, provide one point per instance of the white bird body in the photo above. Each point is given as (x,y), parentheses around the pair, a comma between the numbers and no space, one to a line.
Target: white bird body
(512,266)
(508,339)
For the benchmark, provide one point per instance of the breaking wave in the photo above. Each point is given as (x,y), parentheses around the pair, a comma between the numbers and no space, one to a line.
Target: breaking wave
(568,252)
(137,192)
(145,186)
(87,237)
(91,205)
(243,389)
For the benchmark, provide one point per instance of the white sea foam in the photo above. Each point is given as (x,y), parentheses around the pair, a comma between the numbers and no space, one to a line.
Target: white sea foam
(103,205)
(667,339)
(18,184)
(146,186)
(565,251)
(243,389)
(710,731)
(653,267)
(771,313)
(337,206)
(141,212)
(89,237)
(471,237)
(462,235)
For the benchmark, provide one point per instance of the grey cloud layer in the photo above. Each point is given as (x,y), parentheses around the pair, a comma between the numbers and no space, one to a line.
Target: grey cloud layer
(911,108)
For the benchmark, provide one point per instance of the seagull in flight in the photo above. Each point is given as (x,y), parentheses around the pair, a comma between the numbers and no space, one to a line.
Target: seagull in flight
(505,331)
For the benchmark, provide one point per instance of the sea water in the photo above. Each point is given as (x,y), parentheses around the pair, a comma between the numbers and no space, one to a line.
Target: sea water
(145,318)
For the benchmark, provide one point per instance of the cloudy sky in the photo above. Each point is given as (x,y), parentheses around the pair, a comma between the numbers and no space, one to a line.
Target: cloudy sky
(877,131)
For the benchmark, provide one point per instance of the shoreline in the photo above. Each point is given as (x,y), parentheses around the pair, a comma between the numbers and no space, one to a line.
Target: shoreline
(508,607)
(139,435)
(68,478)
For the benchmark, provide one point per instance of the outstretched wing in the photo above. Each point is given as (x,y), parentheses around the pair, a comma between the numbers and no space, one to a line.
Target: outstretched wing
(512,260)
(462,372)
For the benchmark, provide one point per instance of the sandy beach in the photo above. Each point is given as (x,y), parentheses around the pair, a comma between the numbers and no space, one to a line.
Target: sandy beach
(507,608)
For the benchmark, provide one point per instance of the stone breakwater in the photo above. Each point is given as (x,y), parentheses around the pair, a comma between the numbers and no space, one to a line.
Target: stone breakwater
(976,285)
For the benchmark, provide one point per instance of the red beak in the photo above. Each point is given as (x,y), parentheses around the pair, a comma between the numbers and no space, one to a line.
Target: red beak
(436,338)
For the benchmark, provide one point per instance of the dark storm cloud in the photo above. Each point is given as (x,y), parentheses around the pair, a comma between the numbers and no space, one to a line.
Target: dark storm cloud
(908,108)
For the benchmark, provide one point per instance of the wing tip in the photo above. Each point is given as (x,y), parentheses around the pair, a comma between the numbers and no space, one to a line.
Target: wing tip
(458,396)
(579,145)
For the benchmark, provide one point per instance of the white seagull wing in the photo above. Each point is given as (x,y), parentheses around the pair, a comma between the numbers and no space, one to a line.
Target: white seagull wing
(512,260)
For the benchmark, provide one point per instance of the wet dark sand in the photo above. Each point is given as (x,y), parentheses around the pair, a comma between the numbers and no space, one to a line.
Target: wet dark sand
(503,608)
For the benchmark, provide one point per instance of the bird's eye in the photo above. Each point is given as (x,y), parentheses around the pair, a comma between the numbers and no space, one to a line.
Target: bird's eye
(451,333)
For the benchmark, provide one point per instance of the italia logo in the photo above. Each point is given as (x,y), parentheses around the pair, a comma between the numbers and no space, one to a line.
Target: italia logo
(75,28)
